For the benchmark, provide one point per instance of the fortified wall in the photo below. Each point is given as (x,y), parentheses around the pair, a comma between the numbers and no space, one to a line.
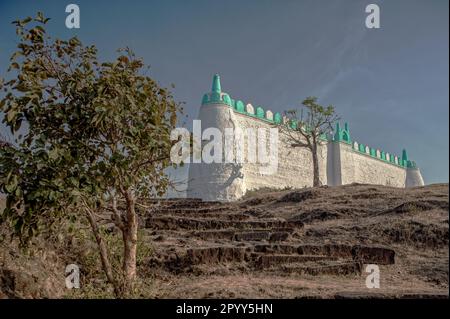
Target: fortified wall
(341,160)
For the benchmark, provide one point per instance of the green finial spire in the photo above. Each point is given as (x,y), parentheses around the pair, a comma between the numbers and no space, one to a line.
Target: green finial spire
(216,84)
(337,132)
(404,155)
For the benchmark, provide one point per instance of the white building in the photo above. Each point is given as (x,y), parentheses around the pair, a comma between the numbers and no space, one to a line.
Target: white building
(341,161)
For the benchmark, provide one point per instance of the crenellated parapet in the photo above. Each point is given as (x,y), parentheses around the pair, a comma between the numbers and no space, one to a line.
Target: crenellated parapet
(343,135)
(340,134)
(216,96)
(341,159)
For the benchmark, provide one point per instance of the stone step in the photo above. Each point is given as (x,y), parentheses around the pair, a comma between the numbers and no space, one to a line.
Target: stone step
(199,215)
(278,236)
(333,268)
(365,254)
(167,202)
(174,223)
(374,255)
(266,261)
(337,250)
(178,261)
(272,235)
(252,236)
(226,234)
(236,255)
(184,203)
(196,204)
(202,211)
(276,248)
(268,257)
(212,255)
(310,268)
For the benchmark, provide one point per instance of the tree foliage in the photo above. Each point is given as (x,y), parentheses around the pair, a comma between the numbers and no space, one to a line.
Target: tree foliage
(88,135)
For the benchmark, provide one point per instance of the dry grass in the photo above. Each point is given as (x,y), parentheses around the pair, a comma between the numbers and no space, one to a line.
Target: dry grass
(413,222)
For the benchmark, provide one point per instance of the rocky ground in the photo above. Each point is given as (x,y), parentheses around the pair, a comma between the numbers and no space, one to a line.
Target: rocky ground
(308,243)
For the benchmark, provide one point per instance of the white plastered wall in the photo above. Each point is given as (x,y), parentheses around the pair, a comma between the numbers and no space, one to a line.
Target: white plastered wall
(338,164)
(358,167)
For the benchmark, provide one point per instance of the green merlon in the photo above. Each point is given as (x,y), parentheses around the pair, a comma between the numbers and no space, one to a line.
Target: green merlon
(260,112)
(343,135)
(226,98)
(402,161)
(240,106)
(277,118)
(362,148)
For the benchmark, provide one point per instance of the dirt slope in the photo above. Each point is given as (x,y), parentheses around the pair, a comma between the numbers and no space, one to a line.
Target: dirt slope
(304,243)
(308,243)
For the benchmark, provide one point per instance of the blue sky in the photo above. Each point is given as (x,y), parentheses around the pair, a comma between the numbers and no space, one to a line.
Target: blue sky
(389,84)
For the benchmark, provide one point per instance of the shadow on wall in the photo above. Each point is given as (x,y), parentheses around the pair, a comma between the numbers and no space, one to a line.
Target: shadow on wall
(235,174)
(229,188)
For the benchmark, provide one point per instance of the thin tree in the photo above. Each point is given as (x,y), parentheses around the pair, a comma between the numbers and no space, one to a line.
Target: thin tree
(95,139)
(308,127)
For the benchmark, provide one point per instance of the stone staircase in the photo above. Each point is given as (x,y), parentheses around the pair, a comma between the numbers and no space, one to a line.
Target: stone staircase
(203,237)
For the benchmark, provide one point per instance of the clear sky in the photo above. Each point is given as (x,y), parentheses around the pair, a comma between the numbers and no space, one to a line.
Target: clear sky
(389,84)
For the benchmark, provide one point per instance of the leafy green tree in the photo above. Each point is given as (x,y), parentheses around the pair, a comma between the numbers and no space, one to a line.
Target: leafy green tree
(308,128)
(91,139)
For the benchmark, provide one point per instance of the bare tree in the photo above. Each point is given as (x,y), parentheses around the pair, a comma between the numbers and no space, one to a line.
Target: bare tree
(308,127)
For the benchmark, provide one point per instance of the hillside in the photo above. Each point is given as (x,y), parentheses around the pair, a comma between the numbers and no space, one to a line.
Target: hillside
(307,243)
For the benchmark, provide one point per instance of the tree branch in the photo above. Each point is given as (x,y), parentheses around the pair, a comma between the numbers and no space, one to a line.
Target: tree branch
(104,255)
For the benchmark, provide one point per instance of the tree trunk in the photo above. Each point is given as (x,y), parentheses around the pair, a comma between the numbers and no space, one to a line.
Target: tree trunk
(316,179)
(130,244)
(103,250)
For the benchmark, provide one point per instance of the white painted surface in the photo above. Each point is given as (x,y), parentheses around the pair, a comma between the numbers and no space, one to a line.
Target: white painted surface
(358,167)
(250,109)
(414,178)
(338,164)
(294,164)
(215,181)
